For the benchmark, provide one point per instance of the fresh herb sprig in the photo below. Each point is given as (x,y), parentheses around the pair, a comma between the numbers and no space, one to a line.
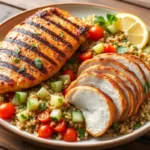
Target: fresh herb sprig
(105,22)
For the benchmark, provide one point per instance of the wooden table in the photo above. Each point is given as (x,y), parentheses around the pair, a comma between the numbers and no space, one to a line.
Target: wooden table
(8,8)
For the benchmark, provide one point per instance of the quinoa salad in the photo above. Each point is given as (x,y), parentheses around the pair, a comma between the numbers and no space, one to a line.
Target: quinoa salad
(43,109)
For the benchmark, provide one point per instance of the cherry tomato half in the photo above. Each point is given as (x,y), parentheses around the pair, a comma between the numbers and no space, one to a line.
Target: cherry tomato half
(85,55)
(7,110)
(109,49)
(60,126)
(69,72)
(43,116)
(45,131)
(65,91)
(70,135)
(95,33)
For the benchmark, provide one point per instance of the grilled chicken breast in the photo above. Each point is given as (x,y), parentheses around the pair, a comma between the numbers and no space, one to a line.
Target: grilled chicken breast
(37,48)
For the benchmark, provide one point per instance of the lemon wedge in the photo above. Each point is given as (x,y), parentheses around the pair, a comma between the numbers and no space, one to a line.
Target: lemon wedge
(134,28)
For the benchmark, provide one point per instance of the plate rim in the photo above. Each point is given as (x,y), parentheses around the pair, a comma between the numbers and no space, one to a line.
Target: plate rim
(109,143)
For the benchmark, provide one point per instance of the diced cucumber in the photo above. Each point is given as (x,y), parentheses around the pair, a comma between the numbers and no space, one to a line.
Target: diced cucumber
(56,86)
(23,116)
(77,116)
(99,48)
(56,100)
(19,98)
(113,28)
(56,114)
(32,104)
(42,93)
(146,50)
(65,78)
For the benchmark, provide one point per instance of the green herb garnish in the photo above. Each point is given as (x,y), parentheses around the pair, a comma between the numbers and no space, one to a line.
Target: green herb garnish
(23,116)
(116,126)
(121,50)
(37,33)
(105,22)
(62,35)
(43,106)
(17,50)
(21,70)
(81,132)
(34,45)
(124,40)
(146,87)
(136,126)
(38,63)
(16,60)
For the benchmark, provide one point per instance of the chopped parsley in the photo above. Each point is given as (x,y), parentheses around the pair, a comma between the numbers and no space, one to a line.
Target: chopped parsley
(34,45)
(23,116)
(18,50)
(43,106)
(62,35)
(21,70)
(81,132)
(38,63)
(105,22)
(146,87)
(37,33)
(16,60)
(135,47)
(136,126)
(121,50)
(116,126)
(124,40)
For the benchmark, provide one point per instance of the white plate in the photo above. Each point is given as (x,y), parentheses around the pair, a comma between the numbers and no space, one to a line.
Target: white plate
(79,10)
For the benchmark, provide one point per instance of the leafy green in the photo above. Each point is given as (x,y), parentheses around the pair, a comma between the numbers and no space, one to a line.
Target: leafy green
(105,22)
(23,116)
(116,126)
(43,106)
(38,63)
(146,87)
(62,34)
(16,60)
(121,50)
(81,132)
(136,126)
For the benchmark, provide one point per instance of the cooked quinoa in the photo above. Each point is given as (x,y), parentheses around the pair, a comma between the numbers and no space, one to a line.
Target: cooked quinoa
(32,124)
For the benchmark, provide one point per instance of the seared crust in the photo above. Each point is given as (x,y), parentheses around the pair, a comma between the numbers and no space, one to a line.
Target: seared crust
(50,36)
(102,82)
(105,97)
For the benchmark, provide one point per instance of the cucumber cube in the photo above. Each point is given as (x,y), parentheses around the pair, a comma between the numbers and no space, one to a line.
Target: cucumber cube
(99,48)
(32,104)
(23,116)
(65,78)
(77,116)
(42,93)
(19,98)
(56,114)
(56,100)
(56,86)
(113,28)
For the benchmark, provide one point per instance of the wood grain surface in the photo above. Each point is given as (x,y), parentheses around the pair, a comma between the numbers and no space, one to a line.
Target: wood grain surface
(8,8)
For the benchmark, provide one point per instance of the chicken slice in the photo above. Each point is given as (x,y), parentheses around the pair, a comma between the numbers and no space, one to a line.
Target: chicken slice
(98,108)
(106,85)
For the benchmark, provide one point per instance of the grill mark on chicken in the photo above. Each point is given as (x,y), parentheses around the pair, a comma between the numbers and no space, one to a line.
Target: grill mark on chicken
(23,58)
(16,69)
(49,32)
(52,47)
(27,46)
(61,27)
(5,78)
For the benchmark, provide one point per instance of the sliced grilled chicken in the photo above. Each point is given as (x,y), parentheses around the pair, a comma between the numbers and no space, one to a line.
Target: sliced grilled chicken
(115,64)
(98,108)
(38,47)
(129,63)
(106,85)
(129,87)
(143,66)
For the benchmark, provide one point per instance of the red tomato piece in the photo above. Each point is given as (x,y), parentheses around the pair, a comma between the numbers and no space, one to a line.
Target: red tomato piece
(60,126)
(70,135)
(43,116)
(95,33)
(85,55)
(9,96)
(109,49)
(65,91)
(7,110)
(45,131)
(69,72)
